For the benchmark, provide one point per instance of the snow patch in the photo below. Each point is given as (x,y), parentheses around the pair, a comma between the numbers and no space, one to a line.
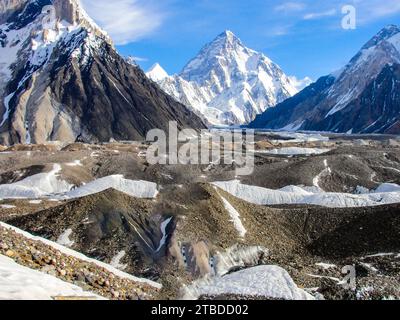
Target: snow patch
(6,114)
(116,261)
(7,206)
(35,201)
(326,266)
(21,283)
(297,137)
(64,239)
(134,188)
(235,216)
(293,151)
(306,195)
(238,257)
(164,227)
(326,172)
(36,186)
(262,281)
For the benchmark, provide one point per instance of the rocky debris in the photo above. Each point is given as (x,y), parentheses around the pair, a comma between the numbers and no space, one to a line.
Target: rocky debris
(90,277)
(10,209)
(33,147)
(304,240)
(102,225)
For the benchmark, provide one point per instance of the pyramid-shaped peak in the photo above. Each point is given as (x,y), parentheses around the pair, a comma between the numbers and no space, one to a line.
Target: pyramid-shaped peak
(157,73)
(228,36)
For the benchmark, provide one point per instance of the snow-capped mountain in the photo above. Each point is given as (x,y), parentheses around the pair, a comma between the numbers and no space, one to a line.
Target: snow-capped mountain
(227,82)
(62,79)
(157,73)
(363,97)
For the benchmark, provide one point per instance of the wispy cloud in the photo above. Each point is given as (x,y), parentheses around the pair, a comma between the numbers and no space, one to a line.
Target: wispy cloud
(319,15)
(372,10)
(366,10)
(279,30)
(139,59)
(126,20)
(288,7)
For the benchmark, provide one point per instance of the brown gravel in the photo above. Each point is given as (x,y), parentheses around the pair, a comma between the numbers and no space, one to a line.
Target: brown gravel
(90,277)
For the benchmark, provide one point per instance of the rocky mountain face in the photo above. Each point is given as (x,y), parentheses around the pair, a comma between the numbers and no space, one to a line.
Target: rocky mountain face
(7,7)
(363,97)
(62,79)
(227,83)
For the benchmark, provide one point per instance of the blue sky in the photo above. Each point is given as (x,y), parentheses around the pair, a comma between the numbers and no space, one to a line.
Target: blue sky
(304,37)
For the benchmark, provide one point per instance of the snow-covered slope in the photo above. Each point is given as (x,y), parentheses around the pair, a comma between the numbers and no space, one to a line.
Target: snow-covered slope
(21,283)
(227,82)
(380,51)
(157,73)
(30,41)
(362,97)
(80,256)
(61,79)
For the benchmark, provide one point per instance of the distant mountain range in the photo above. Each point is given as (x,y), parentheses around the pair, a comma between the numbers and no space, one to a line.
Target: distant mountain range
(227,83)
(363,97)
(62,79)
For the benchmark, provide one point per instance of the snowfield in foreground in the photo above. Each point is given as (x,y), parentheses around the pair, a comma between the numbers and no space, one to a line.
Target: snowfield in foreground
(311,196)
(262,281)
(80,256)
(21,283)
(51,185)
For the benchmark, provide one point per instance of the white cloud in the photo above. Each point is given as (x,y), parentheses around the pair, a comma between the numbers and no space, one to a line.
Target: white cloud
(138,59)
(319,15)
(375,9)
(279,30)
(300,84)
(125,20)
(288,7)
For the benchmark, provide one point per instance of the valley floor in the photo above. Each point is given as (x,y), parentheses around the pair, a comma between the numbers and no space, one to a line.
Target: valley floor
(319,218)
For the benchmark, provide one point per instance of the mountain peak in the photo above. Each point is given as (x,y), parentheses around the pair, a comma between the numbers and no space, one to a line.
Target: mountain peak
(84,73)
(74,13)
(227,37)
(392,28)
(386,33)
(157,73)
(228,83)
